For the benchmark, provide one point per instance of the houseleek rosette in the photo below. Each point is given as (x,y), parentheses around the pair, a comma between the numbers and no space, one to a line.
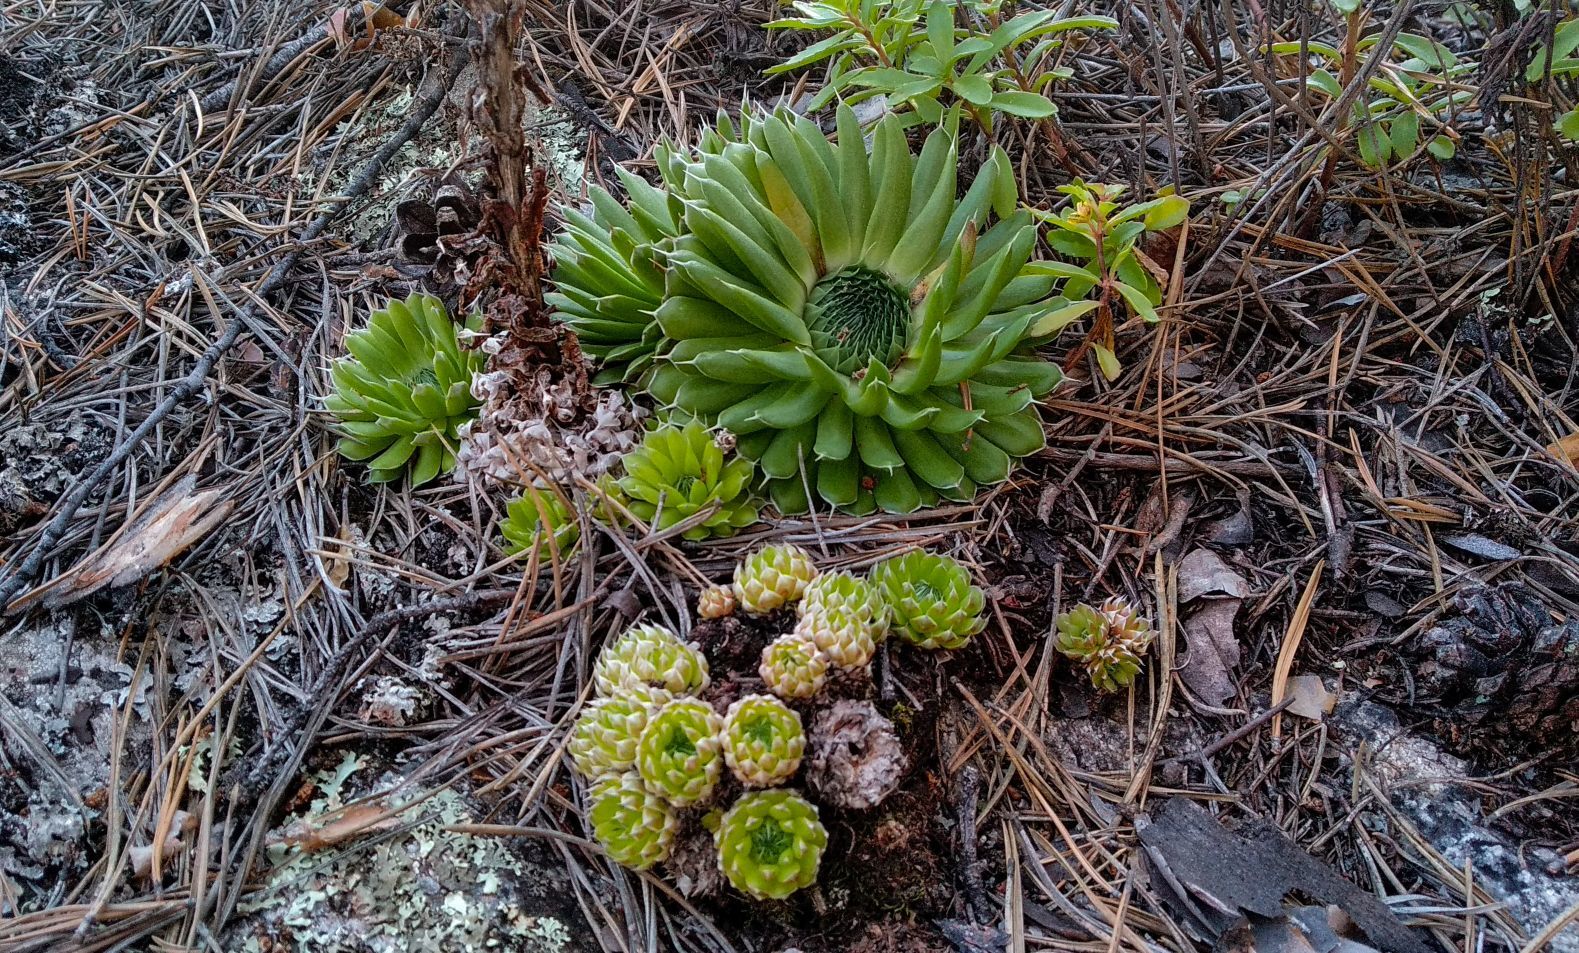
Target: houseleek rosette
(634,825)
(848,640)
(835,308)
(540,517)
(405,390)
(649,656)
(1109,641)
(770,844)
(679,472)
(679,755)
(933,602)
(773,577)
(844,590)
(763,741)
(793,667)
(604,739)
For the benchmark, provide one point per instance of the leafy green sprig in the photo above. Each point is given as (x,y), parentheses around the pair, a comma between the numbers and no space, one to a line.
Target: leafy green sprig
(1106,274)
(912,52)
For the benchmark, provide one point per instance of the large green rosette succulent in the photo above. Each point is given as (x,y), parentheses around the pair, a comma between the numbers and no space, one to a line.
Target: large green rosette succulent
(405,390)
(835,308)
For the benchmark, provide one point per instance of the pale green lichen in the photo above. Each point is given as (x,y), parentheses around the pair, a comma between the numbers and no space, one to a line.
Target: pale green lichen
(415,885)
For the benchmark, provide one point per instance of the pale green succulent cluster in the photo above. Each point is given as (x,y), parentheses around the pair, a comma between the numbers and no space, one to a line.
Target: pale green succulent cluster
(658,753)
(1108,641)
(647,746)
(652,750)
(405,390)
(858,326)
(679,472)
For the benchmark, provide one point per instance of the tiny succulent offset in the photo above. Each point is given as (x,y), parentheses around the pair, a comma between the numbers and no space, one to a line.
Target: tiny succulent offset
(541,518)
(405,390)
(1109,641)
(679,472)
(665,767)
(933,602)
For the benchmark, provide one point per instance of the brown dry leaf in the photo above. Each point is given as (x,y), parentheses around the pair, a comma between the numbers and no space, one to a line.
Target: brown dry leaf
(1212,648)
(337,567)
(1212,651)
(1567,450)
(1203,572)
(1309,698)
(164,530)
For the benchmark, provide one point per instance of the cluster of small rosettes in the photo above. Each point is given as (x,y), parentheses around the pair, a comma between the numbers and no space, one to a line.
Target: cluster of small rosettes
(1108,641)
(657,753)
(652,749)
(926,598)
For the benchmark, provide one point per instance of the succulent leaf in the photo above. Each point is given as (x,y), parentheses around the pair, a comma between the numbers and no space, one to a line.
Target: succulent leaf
(773,577)
(405,390)
(634,825)
(649,656)
(763,741)
(770,844)
(933,602)
(1109,641)
(540,518)
(680,471)
(679,754)
(793,667)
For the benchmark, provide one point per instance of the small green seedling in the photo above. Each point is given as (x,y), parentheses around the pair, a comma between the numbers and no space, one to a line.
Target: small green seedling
(1107,271)
(1411,97)
(912,52)
(1559,60)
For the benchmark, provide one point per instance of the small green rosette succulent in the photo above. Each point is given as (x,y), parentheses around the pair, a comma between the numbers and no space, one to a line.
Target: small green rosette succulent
(773,577)
(1108,641)
(649,656)
(841,634)
(763,741)
(844,590)
(541,518)
(770,844)
(793,667)
(934,604)
(603,741)
(405,390)
(634,825)
(679,471)
(680,753)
